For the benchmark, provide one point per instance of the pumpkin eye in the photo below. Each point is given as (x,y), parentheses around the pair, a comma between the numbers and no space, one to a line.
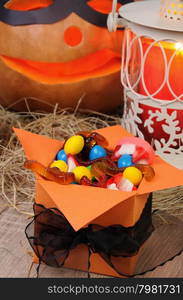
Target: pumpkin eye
(27,4)
(102,6)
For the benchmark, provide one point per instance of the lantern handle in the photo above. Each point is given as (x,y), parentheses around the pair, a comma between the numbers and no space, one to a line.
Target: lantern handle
(113,22)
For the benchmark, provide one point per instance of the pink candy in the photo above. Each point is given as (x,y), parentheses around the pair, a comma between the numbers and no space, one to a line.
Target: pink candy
(141,151)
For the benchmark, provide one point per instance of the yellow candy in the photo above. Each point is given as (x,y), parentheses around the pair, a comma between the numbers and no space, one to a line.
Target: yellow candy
(60,164)
(133,174)
(74,145)
(81,171)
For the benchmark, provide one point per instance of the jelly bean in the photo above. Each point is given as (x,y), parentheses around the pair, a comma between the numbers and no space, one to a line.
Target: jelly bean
(61,155)
(133,174)
(81,171)
(74,145)
(60,164)
(97,152)
(125,161)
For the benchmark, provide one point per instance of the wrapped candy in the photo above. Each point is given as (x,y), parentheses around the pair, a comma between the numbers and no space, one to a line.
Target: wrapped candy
(141,151)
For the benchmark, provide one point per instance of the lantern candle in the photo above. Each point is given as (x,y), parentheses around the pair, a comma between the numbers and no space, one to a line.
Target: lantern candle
(151,73)
(156,71)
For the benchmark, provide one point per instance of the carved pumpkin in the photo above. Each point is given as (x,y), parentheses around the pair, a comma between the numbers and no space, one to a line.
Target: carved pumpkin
(59,51)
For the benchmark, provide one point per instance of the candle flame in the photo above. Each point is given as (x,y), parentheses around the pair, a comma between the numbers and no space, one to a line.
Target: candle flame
(179,46)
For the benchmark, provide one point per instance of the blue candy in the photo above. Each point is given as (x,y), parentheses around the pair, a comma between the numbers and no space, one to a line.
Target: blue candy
(125,161)
(61,155)
(97,152)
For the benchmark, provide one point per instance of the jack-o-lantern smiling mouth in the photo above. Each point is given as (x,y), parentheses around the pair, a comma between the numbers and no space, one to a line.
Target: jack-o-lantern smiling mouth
(101,63)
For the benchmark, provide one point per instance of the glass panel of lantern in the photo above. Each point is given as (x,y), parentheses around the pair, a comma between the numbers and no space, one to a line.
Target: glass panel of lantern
(152,78)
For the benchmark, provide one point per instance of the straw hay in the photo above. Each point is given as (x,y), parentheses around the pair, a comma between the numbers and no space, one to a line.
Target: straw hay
(17,184)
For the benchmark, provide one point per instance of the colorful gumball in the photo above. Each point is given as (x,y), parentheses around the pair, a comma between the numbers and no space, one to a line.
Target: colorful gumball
(125,161)
(61,155)
(81,171)
(74,145)
(97,152)
(133,174)
(60,164)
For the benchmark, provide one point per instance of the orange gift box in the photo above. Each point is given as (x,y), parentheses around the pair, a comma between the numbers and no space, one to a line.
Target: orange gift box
(83,205)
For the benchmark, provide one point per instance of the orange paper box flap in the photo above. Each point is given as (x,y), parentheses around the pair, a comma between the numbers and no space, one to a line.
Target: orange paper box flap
(81,205)
(38,147)
(167,176)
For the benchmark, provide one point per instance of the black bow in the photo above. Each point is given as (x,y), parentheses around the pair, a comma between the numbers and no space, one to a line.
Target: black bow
(54,237)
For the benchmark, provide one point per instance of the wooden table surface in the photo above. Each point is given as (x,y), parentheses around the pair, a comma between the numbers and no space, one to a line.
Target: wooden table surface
(16,254)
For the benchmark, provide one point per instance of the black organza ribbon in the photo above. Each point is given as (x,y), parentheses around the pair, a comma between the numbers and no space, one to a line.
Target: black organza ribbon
(57,11)
(52,238)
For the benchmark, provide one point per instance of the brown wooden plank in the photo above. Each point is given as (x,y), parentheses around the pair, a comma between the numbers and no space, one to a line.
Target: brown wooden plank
(15,254)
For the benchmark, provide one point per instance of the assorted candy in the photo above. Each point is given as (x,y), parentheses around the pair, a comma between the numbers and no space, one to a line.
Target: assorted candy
(85,160)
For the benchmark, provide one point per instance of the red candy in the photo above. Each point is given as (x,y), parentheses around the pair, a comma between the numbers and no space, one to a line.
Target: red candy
(71,162)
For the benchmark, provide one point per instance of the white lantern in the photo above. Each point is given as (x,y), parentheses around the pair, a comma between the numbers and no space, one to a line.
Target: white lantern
(152,73)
